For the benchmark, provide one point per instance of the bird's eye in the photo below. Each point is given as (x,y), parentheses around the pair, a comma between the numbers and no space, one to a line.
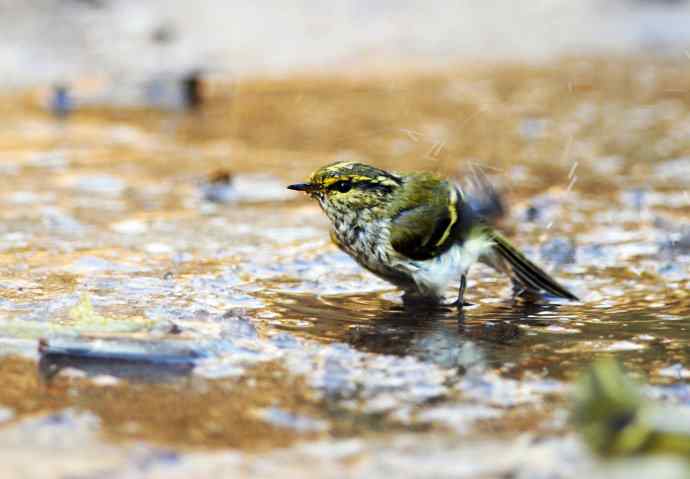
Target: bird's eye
(342,186)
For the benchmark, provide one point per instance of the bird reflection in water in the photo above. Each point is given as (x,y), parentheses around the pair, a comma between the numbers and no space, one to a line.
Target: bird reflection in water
(372,324)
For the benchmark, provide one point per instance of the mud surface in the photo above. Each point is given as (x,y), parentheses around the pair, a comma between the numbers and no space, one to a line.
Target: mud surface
(199,322)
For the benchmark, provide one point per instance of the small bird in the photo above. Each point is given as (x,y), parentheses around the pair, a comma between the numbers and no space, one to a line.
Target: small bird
(417,231)
(615,418)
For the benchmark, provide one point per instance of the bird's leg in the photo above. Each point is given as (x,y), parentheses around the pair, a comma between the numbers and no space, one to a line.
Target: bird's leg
(461,291)
(460,302)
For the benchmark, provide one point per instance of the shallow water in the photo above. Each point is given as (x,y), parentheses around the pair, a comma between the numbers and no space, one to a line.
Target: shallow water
(232,335)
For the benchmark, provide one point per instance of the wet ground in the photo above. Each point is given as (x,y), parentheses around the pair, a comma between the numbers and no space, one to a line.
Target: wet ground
(196,321)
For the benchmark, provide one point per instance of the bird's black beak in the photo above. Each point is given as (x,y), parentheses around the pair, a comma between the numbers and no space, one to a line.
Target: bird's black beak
(302,187)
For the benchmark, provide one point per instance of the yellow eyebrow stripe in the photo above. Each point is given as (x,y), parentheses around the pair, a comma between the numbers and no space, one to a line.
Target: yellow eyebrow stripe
(453,211)
(334,179)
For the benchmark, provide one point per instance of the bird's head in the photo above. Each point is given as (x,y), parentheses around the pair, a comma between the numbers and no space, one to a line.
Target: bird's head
(348,187)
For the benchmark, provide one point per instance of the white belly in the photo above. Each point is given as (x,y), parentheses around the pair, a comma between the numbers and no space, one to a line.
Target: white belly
(433,276)
(430,278)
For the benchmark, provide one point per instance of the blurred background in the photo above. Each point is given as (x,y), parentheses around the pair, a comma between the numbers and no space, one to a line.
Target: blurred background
(168,309)
(64,40)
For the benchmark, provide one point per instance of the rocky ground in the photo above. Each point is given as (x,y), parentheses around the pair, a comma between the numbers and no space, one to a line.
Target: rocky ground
(197,322)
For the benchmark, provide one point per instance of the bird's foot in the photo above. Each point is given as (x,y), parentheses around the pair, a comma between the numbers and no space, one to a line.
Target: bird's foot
(415,300)
(524,295)
(458,304)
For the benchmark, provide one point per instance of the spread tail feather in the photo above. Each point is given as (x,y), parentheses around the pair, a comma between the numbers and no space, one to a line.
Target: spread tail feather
(523,271)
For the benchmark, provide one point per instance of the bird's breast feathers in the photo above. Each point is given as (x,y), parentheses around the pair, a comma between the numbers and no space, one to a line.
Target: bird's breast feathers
(371,248)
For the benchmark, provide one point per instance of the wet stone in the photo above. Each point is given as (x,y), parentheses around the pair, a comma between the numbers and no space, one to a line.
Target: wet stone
(238,327)
(678,243)
(52,428)
(92,264)
(58,220)
(103,184)
(459,417)
(675,169)
(673,271)
(532,128)
(636,198)
(558,251)
(219,188)
(6,414)
(285,341)
(280,418)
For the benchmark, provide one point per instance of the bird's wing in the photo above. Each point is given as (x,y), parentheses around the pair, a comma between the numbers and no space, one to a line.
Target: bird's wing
(426,220)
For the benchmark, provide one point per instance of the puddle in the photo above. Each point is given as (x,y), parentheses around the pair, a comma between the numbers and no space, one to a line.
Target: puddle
(191,305)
